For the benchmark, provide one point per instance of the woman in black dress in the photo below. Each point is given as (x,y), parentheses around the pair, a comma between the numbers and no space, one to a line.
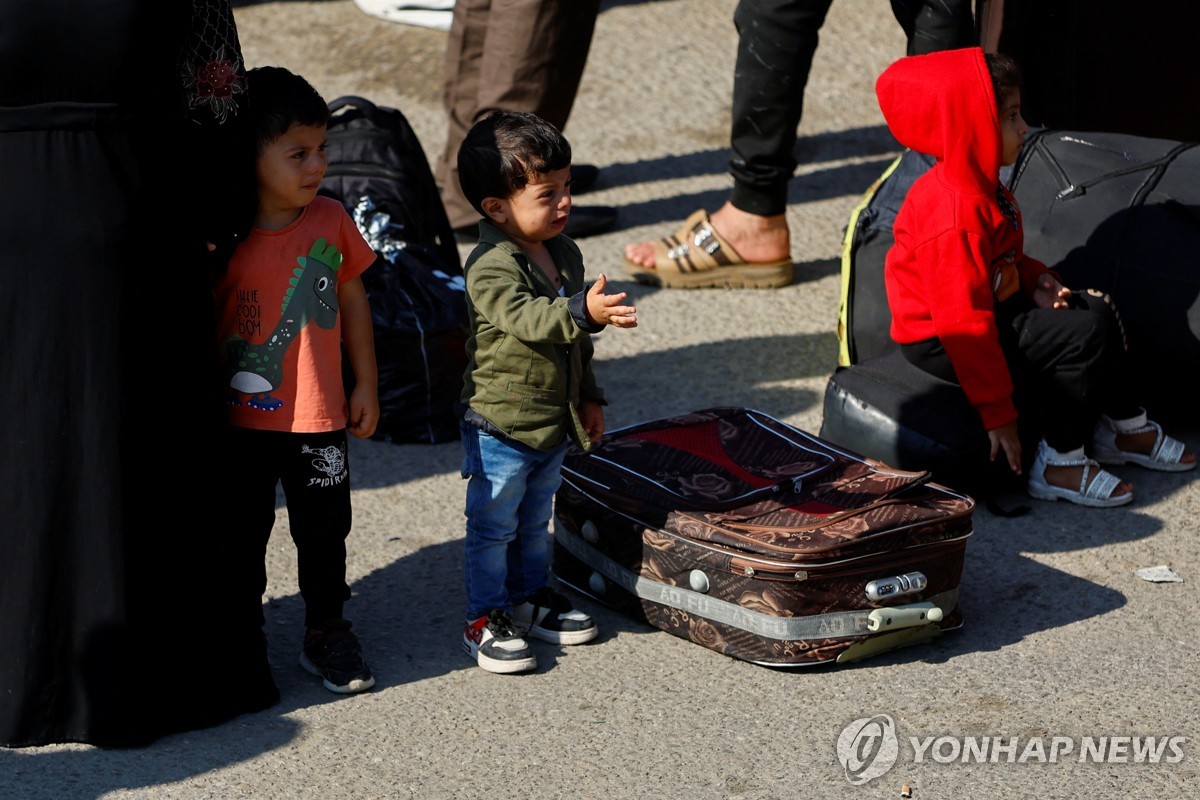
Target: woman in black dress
(117,120)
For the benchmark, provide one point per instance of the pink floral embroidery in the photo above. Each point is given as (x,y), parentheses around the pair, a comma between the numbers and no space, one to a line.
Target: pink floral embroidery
(216,79)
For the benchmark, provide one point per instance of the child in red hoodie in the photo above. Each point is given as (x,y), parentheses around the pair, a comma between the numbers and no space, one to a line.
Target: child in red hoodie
(970,307)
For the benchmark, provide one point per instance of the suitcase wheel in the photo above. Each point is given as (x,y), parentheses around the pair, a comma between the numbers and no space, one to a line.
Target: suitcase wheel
(596,581)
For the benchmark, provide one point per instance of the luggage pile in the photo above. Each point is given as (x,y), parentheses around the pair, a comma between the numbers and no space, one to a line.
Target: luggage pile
(1108,211)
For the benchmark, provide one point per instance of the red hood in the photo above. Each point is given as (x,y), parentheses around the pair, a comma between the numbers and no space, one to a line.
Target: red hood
(942,104)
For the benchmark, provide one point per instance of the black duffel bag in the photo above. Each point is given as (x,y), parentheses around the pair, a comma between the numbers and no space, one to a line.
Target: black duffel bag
(379,172)
(1121,214)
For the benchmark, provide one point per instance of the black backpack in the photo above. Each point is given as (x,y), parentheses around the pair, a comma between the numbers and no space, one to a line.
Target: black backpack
(863,316)
(379,172)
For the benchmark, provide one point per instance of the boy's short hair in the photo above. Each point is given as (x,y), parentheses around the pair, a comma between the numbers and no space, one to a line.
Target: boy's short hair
(277,99)
(1006,76)
(504,150)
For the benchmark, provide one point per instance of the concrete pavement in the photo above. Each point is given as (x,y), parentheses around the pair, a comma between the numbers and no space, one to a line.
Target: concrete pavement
(1061,642)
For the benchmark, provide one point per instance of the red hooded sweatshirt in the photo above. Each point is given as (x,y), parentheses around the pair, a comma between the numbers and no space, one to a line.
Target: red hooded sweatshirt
(957,251)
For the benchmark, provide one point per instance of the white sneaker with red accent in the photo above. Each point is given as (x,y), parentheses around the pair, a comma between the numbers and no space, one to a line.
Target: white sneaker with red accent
(493,642)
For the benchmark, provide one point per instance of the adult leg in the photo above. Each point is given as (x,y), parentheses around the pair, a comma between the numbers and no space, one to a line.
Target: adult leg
(516,55)
(460,98)
(776,43)
(250,515)
(933,25)
(229,559)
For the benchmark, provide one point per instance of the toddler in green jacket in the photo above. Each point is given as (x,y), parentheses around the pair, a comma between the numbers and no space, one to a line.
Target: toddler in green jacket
(528,387)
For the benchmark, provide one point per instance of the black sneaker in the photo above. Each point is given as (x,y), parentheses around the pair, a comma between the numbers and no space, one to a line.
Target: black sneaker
(334,655)
(548,616)
(493,643)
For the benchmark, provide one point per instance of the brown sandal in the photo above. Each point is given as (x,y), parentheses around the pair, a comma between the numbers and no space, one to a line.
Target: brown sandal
(697,257)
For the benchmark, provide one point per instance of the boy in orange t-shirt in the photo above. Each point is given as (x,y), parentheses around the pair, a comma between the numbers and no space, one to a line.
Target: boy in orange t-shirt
(289,302)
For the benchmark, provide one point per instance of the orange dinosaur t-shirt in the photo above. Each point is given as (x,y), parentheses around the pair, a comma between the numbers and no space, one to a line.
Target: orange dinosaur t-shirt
(279,330)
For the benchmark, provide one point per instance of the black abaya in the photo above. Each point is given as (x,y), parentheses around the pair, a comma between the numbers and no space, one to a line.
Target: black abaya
(115,626)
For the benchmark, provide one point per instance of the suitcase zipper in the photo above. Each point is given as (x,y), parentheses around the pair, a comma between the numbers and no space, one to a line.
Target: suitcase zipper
(841,568)
(803,571)
(825,523)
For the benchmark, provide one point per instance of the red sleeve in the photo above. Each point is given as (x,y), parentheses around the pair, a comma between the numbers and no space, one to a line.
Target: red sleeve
(962,310)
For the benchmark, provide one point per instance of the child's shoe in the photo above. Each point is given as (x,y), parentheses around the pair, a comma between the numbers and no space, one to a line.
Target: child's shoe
(1096,486)
(333,654)
(494,643)
(548,616)
(1166,455)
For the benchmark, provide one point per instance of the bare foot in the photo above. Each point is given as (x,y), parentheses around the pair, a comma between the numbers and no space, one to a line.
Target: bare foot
(1144,443)
(755,238)
(1069,478)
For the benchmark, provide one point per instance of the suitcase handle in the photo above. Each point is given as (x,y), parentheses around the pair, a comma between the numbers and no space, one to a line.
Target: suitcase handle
(909,616)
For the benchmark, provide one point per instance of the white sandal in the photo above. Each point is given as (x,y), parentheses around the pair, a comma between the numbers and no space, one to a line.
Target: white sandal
(1097,494)
(1165,456)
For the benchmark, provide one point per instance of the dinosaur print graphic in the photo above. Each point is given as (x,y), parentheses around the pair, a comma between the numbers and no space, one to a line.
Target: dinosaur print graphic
(257,369)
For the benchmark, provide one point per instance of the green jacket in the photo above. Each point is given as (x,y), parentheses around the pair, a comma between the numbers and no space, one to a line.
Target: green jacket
(529,351)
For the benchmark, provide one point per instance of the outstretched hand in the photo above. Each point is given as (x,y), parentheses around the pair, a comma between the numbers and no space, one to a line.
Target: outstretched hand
(606,309)
(1050,293)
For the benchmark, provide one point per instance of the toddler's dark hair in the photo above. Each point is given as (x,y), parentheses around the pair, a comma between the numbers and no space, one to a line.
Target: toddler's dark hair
(1006,76)
(277,99)
(504,150)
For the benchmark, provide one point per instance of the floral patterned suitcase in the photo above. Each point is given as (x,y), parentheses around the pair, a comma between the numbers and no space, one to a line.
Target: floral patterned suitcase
(753,538)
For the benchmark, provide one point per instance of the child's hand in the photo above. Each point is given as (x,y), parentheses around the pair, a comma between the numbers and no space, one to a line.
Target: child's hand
(591,414)
(364,411)
(1050,293)
(604,309)
(1005,438)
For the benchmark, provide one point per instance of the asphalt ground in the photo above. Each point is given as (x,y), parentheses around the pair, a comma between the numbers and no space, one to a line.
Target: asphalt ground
(1062,644)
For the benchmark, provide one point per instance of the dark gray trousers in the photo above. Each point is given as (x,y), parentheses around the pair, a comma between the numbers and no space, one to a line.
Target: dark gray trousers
(511,55)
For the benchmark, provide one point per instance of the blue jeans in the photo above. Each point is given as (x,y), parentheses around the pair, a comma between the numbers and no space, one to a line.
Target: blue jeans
(510,497)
